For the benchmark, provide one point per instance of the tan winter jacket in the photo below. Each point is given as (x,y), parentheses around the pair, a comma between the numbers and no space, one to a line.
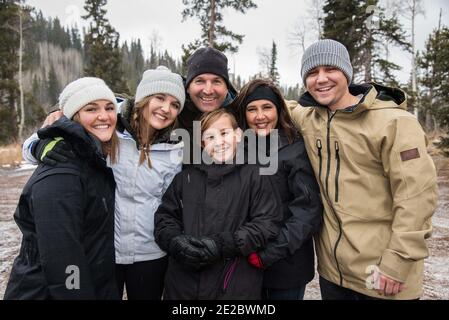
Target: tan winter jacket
(378,186)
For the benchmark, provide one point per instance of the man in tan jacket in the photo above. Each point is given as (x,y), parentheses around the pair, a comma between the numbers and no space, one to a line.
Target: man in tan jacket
(377,181)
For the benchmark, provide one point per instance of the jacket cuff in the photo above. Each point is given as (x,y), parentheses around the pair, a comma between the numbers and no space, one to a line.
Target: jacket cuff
(395,267)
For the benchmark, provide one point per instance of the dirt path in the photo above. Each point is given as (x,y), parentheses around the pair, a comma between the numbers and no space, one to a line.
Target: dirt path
(436,274)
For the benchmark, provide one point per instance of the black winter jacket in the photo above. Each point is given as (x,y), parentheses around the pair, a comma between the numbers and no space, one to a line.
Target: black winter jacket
(290,257)
(66,216)
(232,202)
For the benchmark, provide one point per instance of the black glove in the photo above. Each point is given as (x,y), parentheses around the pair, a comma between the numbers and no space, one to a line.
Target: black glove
(226,244)
(59,152)
(212,251)
(188,251)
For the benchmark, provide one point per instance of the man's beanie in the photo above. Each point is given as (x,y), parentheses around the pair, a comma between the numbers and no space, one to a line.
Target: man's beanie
(161,80)
(80,92)
(207,60)
(326,53)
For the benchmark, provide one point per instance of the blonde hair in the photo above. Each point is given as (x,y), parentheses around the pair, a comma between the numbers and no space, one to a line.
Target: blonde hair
(209,118)
(142,129)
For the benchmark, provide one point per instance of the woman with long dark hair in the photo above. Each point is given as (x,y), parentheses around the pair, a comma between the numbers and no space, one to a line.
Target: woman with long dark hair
(289,259)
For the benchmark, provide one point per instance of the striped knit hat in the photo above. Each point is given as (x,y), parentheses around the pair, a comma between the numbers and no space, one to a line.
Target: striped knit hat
(326,52)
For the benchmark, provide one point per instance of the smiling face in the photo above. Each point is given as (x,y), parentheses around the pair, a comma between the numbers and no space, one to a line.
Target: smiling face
(207,91)
(220,139)
(161,111)
(99,118)
(261,116)
(329,87)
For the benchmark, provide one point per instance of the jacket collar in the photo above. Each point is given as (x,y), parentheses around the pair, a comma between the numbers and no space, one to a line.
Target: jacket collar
(374,96)
(84,144)
(216,171)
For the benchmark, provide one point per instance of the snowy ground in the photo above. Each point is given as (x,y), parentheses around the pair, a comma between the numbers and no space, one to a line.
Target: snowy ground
(436,274)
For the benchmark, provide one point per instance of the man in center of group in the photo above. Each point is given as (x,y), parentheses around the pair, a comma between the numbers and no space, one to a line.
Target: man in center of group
(207,85)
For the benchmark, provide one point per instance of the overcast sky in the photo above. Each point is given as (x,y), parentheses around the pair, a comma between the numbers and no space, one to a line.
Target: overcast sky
(272,20)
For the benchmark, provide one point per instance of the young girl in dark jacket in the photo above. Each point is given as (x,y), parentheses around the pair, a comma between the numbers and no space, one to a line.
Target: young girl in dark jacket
(66,211)
(288,260)
(213,216)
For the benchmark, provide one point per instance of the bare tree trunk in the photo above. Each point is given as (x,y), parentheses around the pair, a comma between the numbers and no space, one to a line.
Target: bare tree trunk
(368,60)
(429,121)
(317,15)
(22,107)
(212,23)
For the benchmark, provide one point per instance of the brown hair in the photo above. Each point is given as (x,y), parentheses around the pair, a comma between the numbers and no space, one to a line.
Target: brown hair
(208,118)
(109,148)
(144,133)
(285,122)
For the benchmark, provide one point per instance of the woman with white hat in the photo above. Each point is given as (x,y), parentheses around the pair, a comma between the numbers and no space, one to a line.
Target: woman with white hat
(65,212)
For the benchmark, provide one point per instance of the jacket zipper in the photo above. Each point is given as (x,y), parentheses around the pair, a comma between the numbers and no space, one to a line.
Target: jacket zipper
(330,117)
(105,205)
(337,157)
(319,146)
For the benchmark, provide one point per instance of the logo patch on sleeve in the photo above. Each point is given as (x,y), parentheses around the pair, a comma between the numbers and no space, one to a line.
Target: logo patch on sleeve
(410,154)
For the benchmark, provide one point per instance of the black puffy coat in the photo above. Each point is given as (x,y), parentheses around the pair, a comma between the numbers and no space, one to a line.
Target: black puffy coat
(66,216)
(290,256)
(231,201)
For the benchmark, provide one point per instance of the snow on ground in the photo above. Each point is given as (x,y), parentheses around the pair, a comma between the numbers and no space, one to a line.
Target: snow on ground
(436,273)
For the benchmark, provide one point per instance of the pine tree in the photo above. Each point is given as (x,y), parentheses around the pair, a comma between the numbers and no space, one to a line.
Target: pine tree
(187,51)
(274,74)
(210,13)
(434,64)
(9,87)
(75,39)
(101,44)
(351,23)
(133,63)
(52,87)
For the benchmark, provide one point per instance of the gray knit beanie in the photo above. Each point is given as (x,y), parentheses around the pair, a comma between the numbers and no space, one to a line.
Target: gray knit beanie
(326,52)
(80,92)
(161,80)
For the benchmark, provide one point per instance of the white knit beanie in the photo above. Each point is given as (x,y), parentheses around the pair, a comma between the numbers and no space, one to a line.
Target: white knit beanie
(326,52)
(80,92)
(161,80)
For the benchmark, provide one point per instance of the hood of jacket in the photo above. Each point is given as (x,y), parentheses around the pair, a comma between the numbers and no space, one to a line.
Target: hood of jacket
(83,143)
(375,96)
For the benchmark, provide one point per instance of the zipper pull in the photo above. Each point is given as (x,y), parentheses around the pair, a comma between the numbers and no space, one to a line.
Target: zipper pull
(337,149)
(319,145)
